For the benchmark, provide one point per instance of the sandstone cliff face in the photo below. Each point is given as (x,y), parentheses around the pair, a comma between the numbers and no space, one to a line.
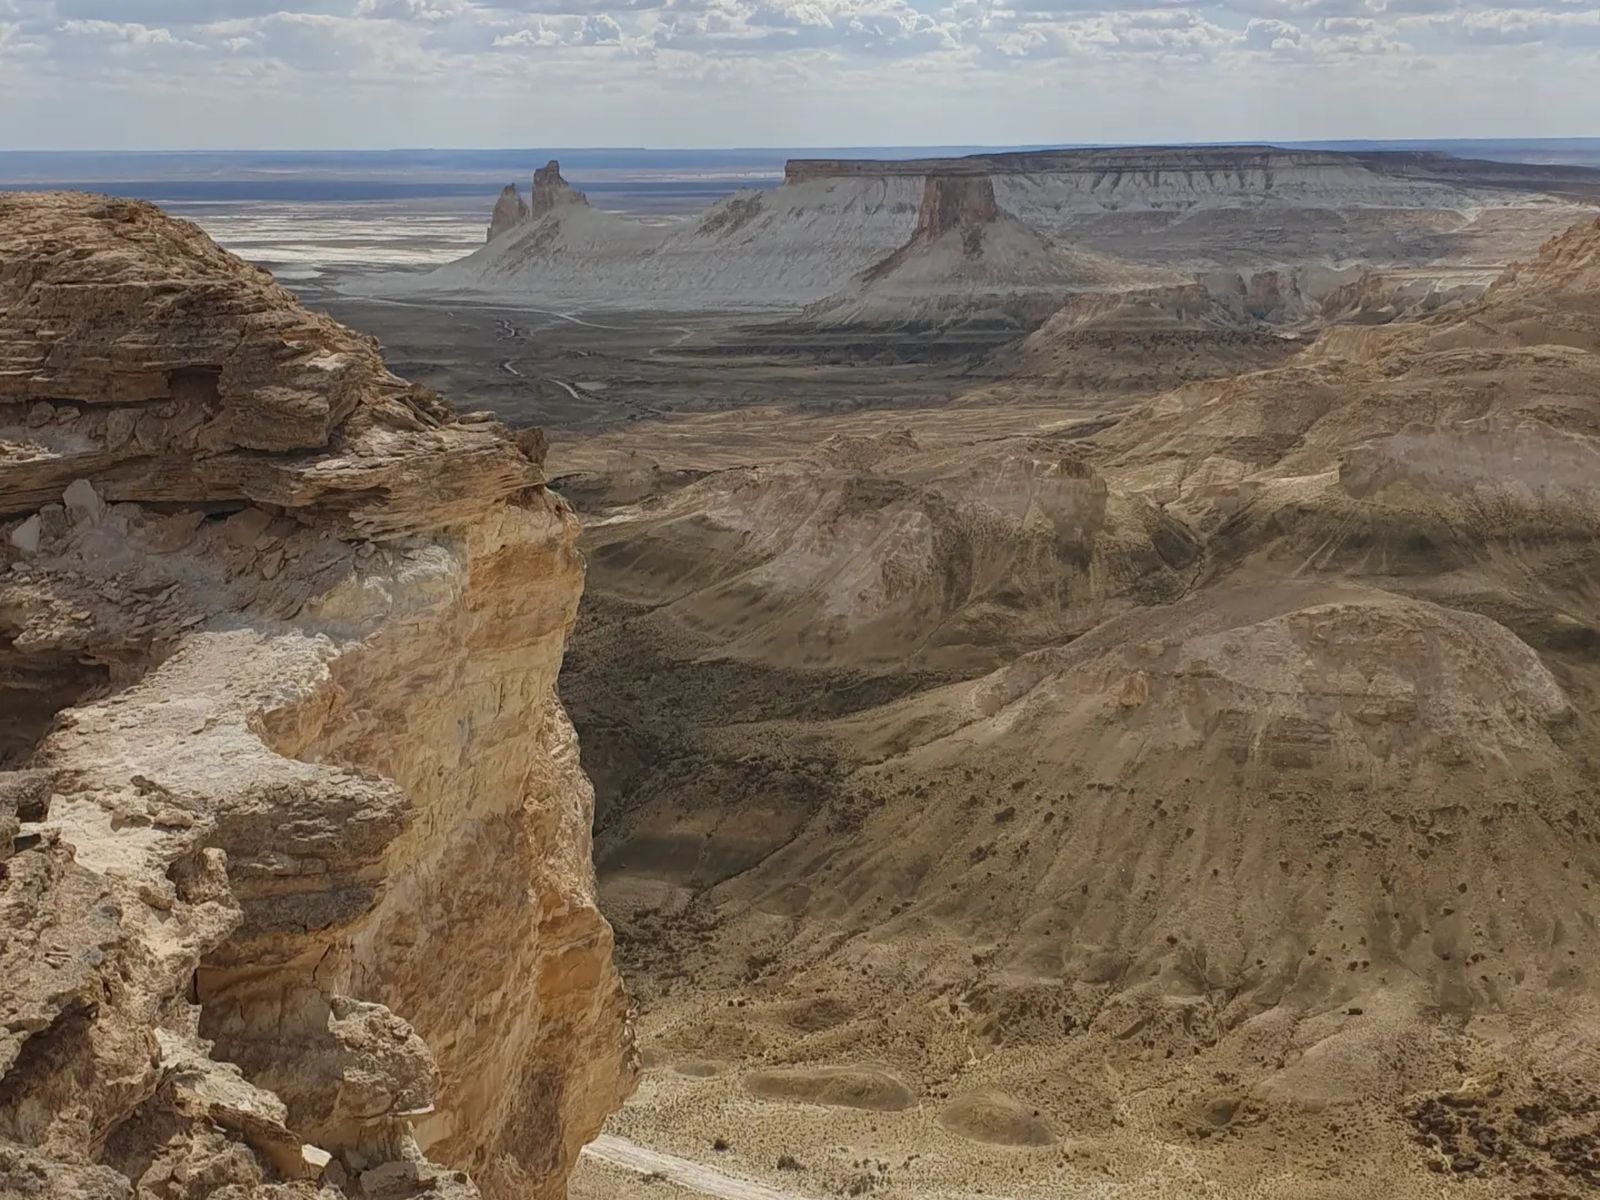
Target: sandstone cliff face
(955,202)
(295,880)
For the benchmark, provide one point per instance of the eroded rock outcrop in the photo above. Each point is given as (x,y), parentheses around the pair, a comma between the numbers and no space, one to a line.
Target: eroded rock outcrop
(970,262)
(963,205)
(802,243)
(875,550)
(955,202)
(510,211)
(550,191)
(294,845)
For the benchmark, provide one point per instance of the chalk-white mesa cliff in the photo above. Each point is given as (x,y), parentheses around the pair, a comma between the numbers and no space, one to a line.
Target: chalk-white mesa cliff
(1055,221)
(296,896)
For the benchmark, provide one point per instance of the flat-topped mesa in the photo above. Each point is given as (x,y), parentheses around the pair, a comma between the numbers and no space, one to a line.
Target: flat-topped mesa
(295,871)
(510,211)
(806,241)
(1221,169)
(1164,158)
(971,261)
(550,191)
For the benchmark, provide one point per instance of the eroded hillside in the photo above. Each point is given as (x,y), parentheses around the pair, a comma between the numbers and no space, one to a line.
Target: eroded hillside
(1194,797)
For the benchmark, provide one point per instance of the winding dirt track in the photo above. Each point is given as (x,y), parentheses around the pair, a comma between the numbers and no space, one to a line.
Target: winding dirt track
(620,1152)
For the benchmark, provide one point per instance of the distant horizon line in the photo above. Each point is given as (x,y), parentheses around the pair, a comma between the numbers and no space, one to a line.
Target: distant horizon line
(639,149)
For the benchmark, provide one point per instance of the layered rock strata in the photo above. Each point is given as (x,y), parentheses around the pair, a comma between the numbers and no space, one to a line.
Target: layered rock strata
(294,845)
(970,262)
(1203,169)
(1181,210)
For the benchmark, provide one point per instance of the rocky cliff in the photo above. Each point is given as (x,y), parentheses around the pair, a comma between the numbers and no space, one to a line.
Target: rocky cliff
(510,211)
(550,191)
(971,263)
(1217,169)
(294,844)
(960,204)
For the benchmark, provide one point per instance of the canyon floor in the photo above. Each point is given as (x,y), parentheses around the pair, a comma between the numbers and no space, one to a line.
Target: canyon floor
(578,373)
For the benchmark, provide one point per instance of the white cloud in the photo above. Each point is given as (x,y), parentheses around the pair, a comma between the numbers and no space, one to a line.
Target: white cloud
(600,30)
(188,12)
(430,11)
(868,28)
(1267,33)
(15,41)
(1327,39)
(1165,34)
(119,31)
(729,71)
(528,38)
(1568,27)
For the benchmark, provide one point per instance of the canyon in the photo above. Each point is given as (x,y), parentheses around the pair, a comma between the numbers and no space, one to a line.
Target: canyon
(1143,753)
(1038,675)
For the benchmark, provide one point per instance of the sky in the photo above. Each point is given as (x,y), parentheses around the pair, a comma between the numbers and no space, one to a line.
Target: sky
(356,74)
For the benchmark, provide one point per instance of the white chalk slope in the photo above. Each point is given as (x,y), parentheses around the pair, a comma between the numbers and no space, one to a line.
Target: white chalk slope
(800,243)
(776,248)
(1000,272)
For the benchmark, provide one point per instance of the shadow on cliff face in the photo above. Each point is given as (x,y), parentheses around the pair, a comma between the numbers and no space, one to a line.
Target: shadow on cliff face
(33,690)
(53,659)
